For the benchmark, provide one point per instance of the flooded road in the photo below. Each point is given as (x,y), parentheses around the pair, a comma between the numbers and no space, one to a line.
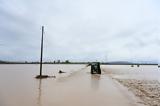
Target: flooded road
(76,87)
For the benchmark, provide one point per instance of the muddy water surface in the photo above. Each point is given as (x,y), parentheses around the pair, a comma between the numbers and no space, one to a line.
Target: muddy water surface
(76,87)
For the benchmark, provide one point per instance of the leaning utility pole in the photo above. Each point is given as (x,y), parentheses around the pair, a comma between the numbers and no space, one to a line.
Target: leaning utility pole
(41,59)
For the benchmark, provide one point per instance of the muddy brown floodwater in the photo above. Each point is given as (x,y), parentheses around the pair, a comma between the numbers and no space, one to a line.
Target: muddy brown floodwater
(76,87)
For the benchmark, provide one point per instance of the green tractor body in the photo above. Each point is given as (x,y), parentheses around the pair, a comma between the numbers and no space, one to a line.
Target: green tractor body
(95,68)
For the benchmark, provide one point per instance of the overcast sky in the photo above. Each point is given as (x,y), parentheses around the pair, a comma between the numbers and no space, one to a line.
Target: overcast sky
(80,30)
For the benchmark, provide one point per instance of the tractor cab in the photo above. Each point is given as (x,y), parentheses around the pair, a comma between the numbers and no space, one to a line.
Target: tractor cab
(95,68)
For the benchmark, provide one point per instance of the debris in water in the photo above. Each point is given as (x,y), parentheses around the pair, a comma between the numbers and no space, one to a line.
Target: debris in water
(61,72)
(44,76)
(41,76)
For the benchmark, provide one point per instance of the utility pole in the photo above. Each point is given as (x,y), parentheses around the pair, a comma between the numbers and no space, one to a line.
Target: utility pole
(40,76)
(41,59)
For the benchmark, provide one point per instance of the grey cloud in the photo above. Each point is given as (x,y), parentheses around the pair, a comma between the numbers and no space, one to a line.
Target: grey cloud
(82,30)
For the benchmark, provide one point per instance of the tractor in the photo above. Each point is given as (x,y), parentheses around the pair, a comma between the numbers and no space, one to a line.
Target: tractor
(95,68)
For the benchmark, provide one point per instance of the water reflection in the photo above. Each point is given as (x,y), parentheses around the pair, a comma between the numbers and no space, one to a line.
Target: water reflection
(39,93)
(95,80)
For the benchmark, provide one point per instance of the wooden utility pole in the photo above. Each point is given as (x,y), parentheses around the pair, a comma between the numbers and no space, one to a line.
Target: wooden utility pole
(41,59)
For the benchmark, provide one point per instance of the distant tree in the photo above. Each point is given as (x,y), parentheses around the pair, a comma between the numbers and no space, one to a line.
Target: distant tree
(67,61)
(59,61)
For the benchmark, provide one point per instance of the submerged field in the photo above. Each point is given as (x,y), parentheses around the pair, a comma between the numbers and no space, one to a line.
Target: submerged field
(117,86)
(143,81)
